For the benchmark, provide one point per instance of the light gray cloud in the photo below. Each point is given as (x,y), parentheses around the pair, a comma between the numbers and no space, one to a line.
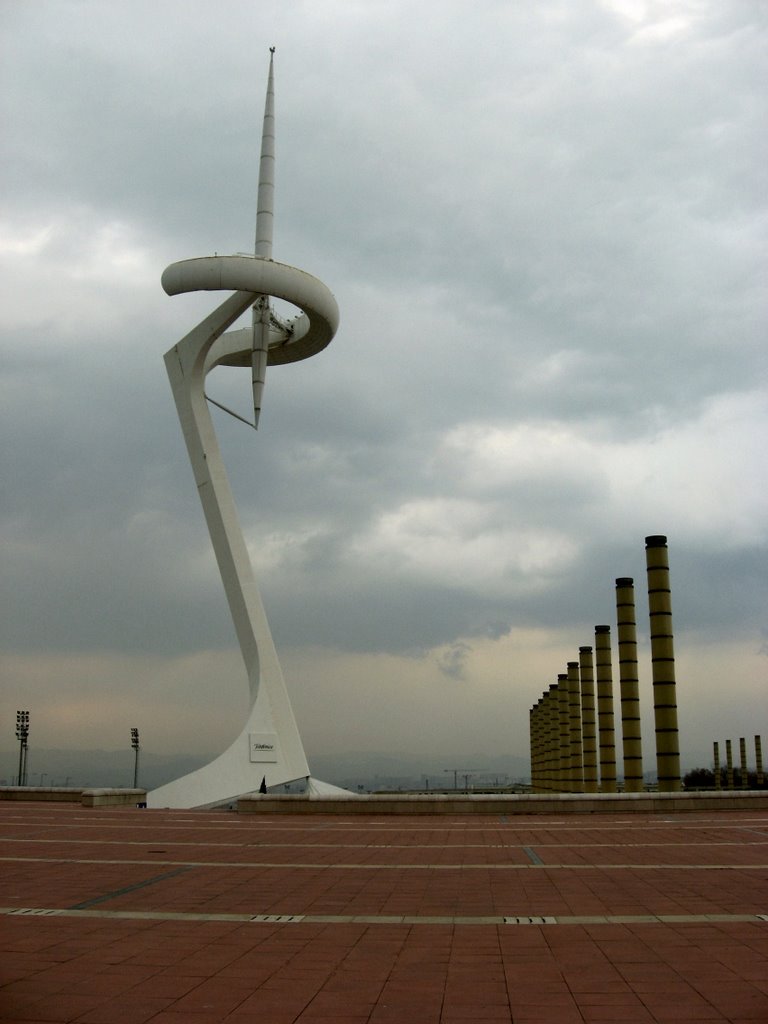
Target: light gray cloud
(545,226)
(453,661)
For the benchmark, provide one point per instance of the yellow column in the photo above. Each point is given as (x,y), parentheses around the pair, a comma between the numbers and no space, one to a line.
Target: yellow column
(588,724)
(605,727)
(729,765)
(574,716)
(565,734)
(663,662)
(543,743)
(716,751)
(759,762)
(629,685)
(553,740)
(532,732)
(538,738)
(744,768)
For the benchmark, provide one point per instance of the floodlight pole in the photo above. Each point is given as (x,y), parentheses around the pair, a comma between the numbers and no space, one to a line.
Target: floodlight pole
(22,735)
(136,749)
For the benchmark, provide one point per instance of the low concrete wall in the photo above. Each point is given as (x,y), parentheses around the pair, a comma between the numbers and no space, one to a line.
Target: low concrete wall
(568,803)
(75,795)
(114,797)
(50,794)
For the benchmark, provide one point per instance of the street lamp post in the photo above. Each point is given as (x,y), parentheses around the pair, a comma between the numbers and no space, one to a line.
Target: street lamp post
(136,749)
(22,735)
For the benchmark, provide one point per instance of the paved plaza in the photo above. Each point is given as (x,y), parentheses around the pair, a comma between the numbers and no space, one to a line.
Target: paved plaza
(120,916)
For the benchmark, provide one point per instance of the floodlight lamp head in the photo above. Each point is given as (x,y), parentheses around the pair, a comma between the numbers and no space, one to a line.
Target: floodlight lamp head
(22,725)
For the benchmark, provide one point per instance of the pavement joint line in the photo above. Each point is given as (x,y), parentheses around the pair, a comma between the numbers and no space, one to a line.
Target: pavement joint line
(532,855)
(380,846)
(86,904)
(384,919)
(528,825)
(186,864)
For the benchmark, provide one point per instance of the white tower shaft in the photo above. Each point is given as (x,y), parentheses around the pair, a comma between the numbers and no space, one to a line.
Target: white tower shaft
(269,750)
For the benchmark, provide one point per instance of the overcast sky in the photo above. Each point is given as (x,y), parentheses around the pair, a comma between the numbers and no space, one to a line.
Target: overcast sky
(545,227)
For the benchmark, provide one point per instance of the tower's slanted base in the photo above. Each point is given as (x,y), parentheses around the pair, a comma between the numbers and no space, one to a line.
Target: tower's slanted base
(255,762)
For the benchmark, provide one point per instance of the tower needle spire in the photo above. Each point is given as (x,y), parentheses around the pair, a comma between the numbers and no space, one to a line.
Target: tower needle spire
(263,249)
(266,194)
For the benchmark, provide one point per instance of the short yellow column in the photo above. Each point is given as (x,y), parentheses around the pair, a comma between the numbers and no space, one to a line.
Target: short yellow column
(563,701)
(759,762)
(533,732)
(716,759)
(553,740)
(605,722)
(629,685)
(543,742)
(744,768)
(588,720)
(574,716)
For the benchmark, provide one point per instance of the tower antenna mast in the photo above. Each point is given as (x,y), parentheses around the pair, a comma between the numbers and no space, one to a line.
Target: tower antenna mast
(265,221)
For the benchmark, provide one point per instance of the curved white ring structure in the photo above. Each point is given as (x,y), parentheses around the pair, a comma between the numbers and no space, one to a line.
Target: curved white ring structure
(311,332)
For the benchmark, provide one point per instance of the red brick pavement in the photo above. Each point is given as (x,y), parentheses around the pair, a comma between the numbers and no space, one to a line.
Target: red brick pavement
(127,916)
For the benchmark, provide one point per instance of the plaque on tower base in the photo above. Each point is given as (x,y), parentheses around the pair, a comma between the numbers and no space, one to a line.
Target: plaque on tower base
(263,746)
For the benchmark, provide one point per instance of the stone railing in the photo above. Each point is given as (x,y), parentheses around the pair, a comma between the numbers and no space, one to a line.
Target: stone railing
(75,795)
(533,803)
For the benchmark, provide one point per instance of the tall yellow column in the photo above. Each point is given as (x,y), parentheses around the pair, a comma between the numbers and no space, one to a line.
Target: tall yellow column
(759,762)
(542,711)
(605,727)
(541,743)
(588,723)
(663,662)
(744,768)
(533,734)
(563,700)
(729,765)
(540,746)
(553,744)
(716,752)
(629,685)
(574,716)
